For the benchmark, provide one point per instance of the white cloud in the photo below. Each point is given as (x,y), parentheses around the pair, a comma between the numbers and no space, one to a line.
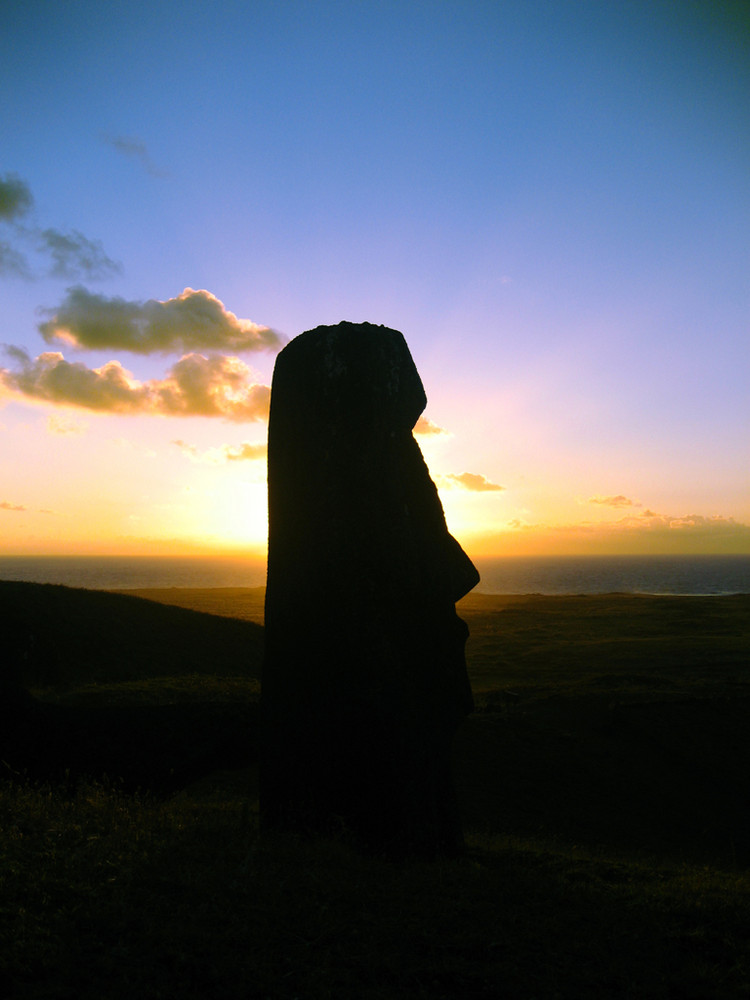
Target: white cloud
(194,320)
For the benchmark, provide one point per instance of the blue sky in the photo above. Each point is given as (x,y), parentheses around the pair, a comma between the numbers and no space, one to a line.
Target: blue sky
(551,200)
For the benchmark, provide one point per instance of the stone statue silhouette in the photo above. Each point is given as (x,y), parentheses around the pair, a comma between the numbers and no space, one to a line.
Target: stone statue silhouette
(364,677)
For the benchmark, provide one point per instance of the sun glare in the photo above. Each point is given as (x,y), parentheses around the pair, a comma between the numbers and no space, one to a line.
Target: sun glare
(239,517)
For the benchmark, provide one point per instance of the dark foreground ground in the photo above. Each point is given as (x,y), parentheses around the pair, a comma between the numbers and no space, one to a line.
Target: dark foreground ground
(603,780)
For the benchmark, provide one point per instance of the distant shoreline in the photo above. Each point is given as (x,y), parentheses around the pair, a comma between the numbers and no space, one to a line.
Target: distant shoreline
(567,575)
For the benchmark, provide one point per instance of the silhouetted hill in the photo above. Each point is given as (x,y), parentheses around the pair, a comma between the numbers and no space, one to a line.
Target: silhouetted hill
(156,736)
(59,636)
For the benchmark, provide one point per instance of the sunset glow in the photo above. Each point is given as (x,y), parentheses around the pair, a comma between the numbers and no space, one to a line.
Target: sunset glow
(552,203)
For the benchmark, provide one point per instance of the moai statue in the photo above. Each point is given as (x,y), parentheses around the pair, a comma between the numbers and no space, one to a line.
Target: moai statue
(364,678)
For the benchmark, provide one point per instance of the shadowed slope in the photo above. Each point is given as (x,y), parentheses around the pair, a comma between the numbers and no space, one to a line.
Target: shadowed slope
(161,736)
(62,635)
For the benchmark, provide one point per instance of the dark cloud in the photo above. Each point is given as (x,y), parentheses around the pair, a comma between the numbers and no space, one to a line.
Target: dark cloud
(69,255)
(73,255)
(618,501)
(135,149)
(474,482)
(13,262)
(15,202)
(4,505)
(194,320)
(195,386)
(15,197)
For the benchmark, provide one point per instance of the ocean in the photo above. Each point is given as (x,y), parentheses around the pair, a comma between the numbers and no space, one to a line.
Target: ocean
(686,575)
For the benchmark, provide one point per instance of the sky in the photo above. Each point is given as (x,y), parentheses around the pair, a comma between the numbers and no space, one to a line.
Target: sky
(550,199)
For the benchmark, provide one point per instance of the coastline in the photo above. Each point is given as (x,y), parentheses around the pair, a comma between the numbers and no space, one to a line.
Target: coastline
(559,575)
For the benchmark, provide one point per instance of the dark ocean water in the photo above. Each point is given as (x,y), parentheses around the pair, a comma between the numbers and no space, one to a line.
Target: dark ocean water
(705,575)
(710,575)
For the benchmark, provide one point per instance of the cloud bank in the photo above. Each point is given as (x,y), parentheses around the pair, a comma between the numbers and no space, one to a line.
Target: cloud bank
(194,320)
(646,533)
(688,523)
(194,386)
(644,523)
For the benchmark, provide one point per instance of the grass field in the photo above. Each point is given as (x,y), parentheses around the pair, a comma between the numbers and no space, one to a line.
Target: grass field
(603,781)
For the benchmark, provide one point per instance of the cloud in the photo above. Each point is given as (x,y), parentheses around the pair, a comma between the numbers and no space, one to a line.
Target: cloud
(68,255)
(247,451)
(645,524)
(618,501)
(633,534)
(4,505)
(13,262)
(73,255)
(474,482)
(15,197)
(194,320)
(15,201)
(187,449)
(135,149)
(195,386)
(688,523)
(424,426)
(64,426)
